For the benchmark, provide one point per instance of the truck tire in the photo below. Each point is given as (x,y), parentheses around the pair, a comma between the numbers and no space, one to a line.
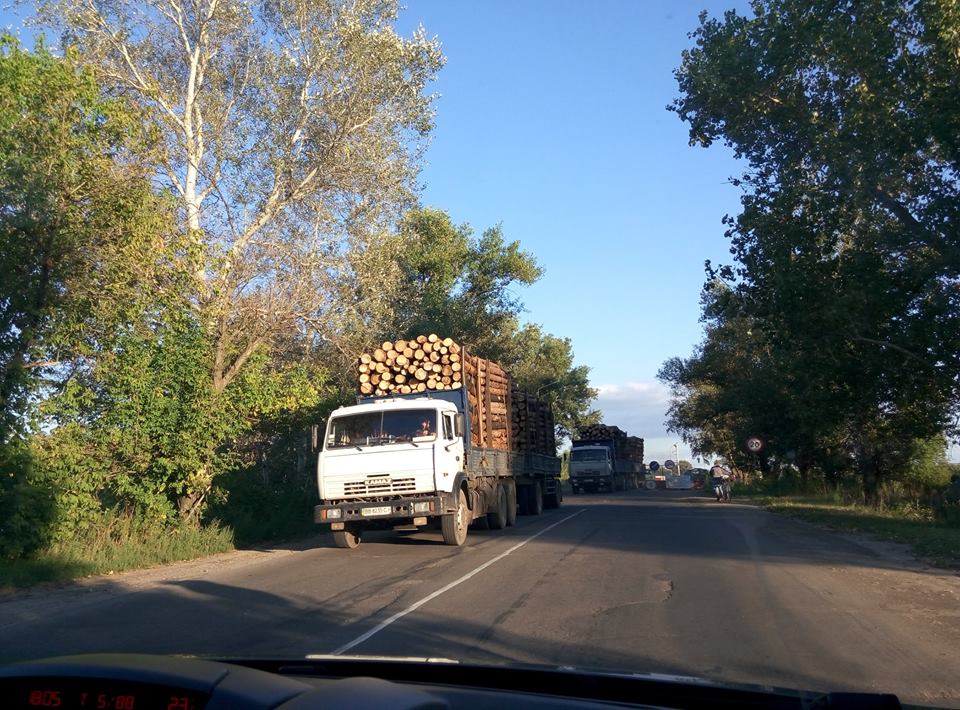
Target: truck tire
(347,539)
(552,500)
(511,504)
(498,519)
(454,526)
(535,499)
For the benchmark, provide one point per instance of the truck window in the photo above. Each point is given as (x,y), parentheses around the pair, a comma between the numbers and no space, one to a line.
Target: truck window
(588,455)
(377,428)
(447,426)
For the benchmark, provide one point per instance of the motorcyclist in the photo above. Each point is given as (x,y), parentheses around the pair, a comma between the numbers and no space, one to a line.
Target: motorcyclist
(720,476)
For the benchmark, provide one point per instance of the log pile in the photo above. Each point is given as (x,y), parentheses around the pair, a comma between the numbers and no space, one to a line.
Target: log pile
(424,363)
(633,449)
(488,390)
(602,431)
(628,447)
(429,363)
(532,425)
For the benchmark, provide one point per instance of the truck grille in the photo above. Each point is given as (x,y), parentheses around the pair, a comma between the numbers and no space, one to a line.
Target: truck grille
(379,486)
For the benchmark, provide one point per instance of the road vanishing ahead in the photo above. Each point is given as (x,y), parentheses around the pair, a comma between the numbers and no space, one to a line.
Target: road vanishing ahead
(646,581)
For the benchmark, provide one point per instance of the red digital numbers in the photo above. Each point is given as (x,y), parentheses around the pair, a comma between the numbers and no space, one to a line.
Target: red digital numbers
(45,698)
(124,702)
(178,702)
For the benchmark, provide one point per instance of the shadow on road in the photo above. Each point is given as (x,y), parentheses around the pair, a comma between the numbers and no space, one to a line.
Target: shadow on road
(687,523)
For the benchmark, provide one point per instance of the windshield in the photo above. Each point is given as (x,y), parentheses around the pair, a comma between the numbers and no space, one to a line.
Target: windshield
(588,455)
(385,427)
(676,233)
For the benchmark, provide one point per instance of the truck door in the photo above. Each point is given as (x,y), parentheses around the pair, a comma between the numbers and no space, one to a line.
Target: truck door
(448,461)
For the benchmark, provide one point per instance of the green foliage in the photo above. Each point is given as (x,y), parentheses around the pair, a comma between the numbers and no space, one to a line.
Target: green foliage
(455,284)
(927,468)
(27,510)
(72,200)
(542,363)
(836,336)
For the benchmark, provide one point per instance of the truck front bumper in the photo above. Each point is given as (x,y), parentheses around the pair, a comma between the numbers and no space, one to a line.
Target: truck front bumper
(399,509)
(592,481)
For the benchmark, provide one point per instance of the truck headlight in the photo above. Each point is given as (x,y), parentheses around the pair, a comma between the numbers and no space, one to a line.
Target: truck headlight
(333,514)
(424,507)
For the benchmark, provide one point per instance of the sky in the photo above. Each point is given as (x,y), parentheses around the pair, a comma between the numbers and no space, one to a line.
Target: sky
(552,121)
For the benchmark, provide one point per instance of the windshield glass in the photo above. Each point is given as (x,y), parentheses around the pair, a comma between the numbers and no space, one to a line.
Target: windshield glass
(565,257)
(588,455)
(383,427)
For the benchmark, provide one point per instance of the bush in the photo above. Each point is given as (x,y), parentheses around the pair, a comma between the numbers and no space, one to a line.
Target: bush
(27,510)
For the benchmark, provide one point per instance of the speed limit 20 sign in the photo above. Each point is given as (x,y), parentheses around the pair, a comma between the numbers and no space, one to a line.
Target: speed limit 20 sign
(755,444)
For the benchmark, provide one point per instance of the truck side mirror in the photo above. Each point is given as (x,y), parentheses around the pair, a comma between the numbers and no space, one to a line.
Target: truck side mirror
(458,424)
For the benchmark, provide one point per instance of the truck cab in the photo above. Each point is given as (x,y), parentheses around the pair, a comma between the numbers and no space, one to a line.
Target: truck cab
(387,463)
(591,467)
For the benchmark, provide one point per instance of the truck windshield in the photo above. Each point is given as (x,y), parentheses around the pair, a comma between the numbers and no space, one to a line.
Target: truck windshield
(388,427)
(589,455)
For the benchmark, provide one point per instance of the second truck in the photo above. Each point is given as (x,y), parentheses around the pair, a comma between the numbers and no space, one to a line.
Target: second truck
(438,436)
(605,458)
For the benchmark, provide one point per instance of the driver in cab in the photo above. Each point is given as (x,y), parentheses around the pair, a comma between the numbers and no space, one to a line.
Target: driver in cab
(424,429)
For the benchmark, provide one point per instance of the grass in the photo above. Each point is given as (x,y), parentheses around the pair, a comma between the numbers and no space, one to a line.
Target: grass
(115,543)
(932,536)
(118,545)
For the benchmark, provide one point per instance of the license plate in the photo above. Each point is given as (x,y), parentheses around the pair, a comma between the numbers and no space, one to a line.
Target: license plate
(382,510)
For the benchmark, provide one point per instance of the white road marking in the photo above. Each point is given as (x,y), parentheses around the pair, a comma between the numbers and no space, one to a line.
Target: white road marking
(416,605)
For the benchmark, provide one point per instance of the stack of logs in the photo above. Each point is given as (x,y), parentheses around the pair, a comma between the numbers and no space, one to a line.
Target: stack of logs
(602,431)
(429,363)
(532,425)
(634,449)
(426,362)
(628,447)
(488,390)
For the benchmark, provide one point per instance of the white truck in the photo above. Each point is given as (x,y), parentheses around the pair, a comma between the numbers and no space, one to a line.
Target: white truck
(407,461)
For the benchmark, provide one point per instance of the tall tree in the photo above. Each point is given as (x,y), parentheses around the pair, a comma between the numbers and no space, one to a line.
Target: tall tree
(452,282)
(542,363)
(456,283)
(76,207)
(289,130)
(847,246)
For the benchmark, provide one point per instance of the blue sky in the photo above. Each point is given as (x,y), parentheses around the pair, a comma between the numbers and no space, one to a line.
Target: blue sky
(552,121)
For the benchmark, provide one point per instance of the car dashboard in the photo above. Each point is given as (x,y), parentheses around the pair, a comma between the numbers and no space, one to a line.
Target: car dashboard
(145,682)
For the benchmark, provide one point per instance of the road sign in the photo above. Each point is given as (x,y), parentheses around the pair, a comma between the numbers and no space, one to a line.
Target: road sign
(654,466)
(669,464)
(755,444)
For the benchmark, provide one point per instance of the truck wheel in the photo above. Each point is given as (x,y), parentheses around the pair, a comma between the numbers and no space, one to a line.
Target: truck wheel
(511,504)
(535,499)
(347,539)
(553,499)
(498,520)
(454,526)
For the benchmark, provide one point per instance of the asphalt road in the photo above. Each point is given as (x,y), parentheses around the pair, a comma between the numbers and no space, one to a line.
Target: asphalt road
(659,581)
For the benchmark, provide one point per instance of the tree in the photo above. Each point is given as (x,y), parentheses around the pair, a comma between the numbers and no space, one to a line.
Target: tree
(85,246)
(289,132)
(847,248)
(542,364)
(76,207)
(454,283)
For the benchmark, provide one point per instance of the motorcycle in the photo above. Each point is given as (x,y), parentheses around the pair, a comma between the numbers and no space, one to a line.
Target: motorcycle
(722,490)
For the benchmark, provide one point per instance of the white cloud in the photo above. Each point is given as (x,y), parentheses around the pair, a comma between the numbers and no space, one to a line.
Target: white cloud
(640,409)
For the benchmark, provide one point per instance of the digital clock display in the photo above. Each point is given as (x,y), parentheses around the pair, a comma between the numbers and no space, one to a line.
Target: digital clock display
(96,694)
